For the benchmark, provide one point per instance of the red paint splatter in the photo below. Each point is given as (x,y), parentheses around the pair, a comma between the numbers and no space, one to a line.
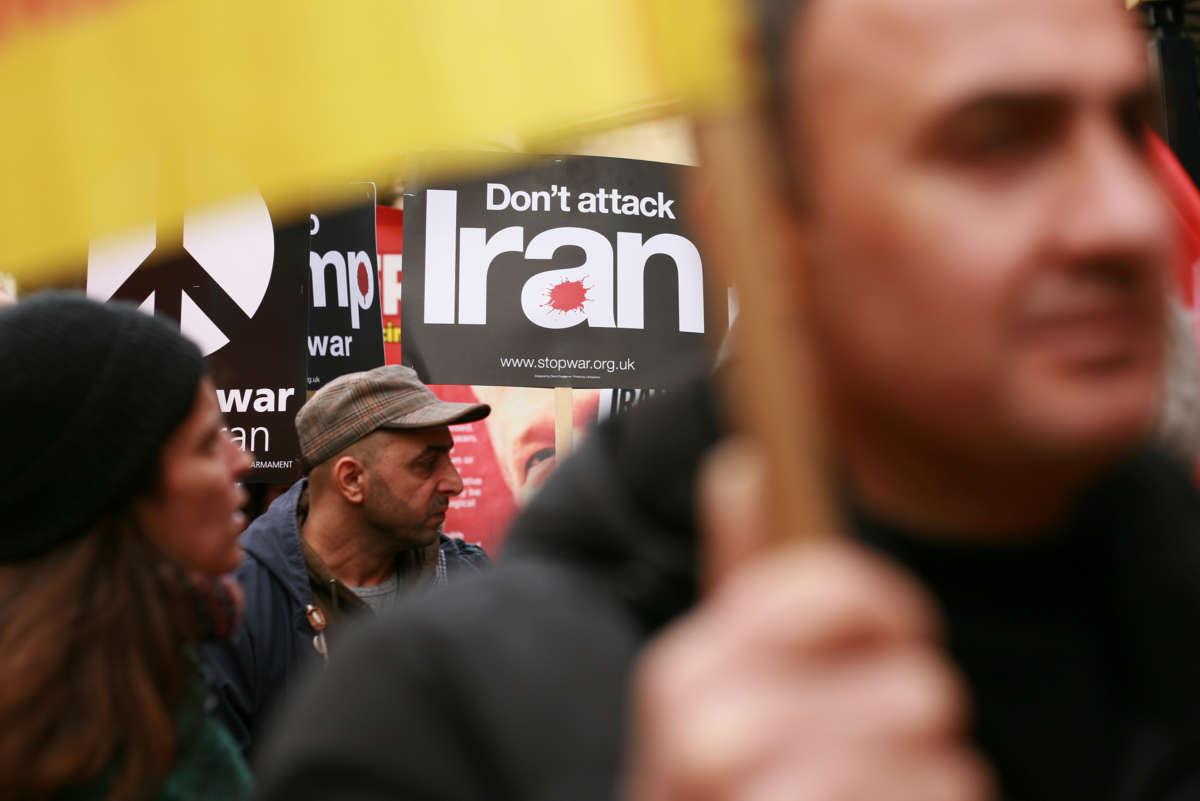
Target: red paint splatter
(364,279)
(567,296)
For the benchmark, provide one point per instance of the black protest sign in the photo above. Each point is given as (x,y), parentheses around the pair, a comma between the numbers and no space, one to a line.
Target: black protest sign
(233,283)
(571,272)
(615,402)
(345,328)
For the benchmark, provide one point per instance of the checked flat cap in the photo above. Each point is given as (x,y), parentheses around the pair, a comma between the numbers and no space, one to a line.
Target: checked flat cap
(350,407)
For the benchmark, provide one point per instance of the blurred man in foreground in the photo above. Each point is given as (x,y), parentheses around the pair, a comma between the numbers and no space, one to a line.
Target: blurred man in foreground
(981,271)
(358,533)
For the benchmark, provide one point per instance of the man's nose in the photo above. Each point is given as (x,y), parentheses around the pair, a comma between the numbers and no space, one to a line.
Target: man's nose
(1115,211)
(452,483)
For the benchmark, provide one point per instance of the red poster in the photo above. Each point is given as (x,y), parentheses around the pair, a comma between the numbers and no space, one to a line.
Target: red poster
(1184,200)
(389,235)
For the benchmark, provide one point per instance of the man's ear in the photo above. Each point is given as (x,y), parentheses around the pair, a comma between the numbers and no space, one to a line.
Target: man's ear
(349,478)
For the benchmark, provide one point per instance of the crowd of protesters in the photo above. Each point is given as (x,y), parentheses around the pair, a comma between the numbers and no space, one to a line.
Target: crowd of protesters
(133,599)
(981,258)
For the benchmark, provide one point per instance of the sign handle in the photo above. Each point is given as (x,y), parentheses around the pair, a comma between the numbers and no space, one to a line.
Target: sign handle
(770,387)
(564,423)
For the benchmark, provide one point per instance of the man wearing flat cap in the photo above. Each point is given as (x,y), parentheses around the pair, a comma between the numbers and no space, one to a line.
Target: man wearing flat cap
(357,533)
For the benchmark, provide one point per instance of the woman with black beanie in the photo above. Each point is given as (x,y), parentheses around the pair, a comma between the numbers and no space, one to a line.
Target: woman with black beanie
(119,516)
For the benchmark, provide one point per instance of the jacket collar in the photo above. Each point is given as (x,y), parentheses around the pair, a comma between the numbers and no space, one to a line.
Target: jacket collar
(274,540)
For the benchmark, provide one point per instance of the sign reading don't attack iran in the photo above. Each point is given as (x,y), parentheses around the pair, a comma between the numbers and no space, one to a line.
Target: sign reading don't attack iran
(232,281)
(576,271)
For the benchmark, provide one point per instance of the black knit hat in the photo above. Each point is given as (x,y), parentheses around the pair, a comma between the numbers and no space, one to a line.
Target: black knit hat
(89,392)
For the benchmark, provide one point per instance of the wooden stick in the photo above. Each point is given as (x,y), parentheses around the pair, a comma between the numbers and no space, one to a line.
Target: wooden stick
(564,422)
(770,387)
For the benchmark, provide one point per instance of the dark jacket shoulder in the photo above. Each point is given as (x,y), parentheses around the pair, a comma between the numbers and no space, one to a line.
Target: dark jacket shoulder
(463,558)
(453,696)
(512,686)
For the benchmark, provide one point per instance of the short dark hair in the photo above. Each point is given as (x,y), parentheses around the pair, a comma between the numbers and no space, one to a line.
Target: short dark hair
(776,20)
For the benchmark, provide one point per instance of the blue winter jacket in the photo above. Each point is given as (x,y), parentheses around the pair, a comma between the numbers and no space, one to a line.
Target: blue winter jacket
(275,641)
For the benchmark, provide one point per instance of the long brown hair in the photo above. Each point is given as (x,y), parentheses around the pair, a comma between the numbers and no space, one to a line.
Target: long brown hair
(92,666)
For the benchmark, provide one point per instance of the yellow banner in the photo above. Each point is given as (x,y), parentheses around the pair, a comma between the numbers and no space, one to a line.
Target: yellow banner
(135,110)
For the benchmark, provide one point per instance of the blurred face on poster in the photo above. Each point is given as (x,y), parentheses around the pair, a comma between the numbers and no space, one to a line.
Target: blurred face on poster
(521,428)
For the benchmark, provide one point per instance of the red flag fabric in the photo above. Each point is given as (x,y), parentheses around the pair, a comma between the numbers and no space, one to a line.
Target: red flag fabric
(1185,202)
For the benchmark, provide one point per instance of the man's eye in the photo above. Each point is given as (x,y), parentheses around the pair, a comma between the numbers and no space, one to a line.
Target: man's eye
(1135,119)
(1001,136)
(1001,140)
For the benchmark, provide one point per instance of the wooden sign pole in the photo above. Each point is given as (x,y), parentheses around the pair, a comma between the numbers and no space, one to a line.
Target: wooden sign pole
(564,423)
(770,386)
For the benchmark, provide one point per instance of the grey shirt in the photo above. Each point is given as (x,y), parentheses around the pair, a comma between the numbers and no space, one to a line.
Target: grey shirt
(380,597)
(386,595)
